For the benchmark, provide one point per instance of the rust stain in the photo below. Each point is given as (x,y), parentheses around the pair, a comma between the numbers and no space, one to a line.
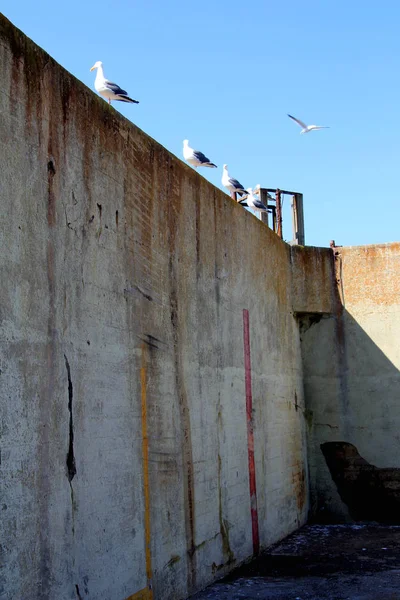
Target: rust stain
(312,279)
(250,433)
(187,452)
(299,482)
(223,523)
(197,226)
(145,456)
(340,333)
(371,274)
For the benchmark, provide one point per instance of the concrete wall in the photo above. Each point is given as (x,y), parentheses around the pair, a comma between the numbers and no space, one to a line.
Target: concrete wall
(124,448)
(352,390)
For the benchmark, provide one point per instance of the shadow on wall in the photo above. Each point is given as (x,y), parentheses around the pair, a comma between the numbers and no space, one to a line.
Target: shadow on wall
(352,393)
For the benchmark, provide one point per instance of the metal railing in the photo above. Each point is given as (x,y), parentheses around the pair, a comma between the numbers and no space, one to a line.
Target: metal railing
(273,199)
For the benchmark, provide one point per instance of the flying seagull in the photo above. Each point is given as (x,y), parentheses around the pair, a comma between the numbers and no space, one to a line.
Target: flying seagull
(195,157)
(233,185)
(306,128)
(108,89)
(253,202)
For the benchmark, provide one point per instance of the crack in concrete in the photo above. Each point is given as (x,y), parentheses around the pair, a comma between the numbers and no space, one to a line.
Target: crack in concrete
(71,466)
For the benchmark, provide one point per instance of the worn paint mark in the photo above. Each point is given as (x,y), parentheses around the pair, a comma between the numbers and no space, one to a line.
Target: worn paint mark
(144,594)
(250,433)
(145,457)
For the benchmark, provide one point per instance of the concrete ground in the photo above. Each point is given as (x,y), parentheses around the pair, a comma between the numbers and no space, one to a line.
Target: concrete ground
(333,562)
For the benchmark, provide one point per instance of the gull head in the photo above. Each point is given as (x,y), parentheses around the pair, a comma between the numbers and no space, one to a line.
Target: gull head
(257,188)
(186,142)
(225,167)
(97,65)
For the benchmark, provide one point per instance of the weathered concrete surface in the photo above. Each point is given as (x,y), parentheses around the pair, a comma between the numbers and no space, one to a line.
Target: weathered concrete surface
(336,562)
(352,378)
(123,434)
(313,282)
(124,454)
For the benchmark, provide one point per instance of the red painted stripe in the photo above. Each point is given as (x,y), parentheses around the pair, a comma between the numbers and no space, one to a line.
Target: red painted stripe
(250,433)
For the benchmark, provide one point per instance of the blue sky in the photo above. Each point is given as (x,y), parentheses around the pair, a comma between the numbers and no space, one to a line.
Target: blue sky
(224,75)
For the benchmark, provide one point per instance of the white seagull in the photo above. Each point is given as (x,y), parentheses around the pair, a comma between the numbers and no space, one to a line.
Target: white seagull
(253,202)
(108,89)
(257,189)
(306,128)
(195,157)
(232,184)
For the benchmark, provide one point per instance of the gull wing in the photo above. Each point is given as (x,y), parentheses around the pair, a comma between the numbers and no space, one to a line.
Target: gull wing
(259,204)
(236,184)
(114,87)
(200,156)
(303,125)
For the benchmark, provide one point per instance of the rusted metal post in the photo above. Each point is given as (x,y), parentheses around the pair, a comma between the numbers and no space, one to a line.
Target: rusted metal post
(278,213)
(264,200)
(298,219)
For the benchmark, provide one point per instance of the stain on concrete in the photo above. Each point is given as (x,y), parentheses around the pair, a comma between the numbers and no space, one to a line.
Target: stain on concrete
(187,452)
(173,560)
(78,595)
(223,523)
(300,488)
(371,493)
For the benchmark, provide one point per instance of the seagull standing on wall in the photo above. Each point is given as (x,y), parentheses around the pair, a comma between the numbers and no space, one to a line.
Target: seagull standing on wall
(253,202)
(231,184)
(306,128)
(108,89)
(195,157)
